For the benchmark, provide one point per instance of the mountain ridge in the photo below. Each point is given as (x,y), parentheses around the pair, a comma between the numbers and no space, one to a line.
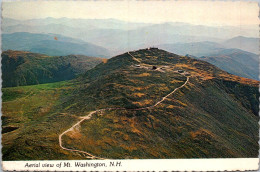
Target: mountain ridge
(26,68)
(249,44)
(131,86)
(213,114)
(55,45)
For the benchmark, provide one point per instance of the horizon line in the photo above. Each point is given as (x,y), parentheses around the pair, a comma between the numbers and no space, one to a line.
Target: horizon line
(143,22)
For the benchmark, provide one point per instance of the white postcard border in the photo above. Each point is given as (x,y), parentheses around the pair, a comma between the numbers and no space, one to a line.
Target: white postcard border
(225,164)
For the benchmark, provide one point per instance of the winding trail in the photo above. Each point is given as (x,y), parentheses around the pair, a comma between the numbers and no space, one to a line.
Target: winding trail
(91,156)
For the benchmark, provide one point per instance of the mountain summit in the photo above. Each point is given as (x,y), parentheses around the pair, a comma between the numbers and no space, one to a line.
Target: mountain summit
(147,103)
(165,106)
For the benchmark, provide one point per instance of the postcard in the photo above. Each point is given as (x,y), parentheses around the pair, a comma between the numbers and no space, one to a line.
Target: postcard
(130,85)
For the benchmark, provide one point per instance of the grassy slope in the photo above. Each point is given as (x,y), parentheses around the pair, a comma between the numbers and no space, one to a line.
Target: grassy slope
(35,112)
(213,116)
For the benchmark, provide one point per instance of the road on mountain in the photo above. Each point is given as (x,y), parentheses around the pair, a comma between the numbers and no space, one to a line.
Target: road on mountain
(90,156)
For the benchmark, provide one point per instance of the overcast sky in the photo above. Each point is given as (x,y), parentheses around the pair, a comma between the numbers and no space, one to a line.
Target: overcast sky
(195,12)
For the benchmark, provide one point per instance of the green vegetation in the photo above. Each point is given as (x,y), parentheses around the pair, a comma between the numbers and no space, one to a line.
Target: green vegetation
(24,68)
(213,116)
(35,113)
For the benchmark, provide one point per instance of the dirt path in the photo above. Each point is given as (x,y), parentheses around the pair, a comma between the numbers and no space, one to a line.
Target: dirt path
(70,129)
(88,155)
(134,58)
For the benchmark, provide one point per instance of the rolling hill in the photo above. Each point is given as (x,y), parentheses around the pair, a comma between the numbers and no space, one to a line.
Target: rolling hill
(25,68)
(207,113)
(51,44)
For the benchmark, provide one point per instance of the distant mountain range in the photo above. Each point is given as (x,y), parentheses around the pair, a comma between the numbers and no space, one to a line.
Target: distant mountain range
(120,36)
(21,68)
(109,37)
(234,61)
(88,24)
(243,43)
(193,48)
(205,48)
(51,44)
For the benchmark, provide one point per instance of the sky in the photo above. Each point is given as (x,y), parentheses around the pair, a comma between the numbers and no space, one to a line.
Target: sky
(215,13)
